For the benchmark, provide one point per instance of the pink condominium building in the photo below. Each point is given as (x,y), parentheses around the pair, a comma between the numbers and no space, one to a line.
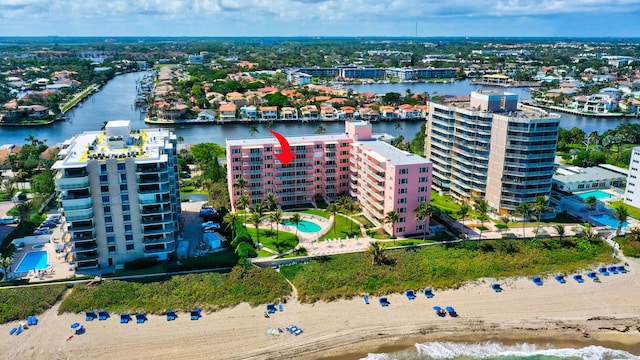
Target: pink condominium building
(381,177)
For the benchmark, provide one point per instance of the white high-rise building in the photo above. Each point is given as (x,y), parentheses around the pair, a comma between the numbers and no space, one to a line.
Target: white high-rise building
(632,192)
(119,195)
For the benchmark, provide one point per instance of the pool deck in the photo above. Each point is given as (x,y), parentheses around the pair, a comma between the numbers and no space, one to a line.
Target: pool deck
(59,269)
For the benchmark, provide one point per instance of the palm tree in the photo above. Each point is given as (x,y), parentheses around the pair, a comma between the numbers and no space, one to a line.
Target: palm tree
(463,212)
(230,219)
(333,209)
(398,127)
(255,219)
(241,184)
(540,206)
(591,203)
(620,213)
(353,208)
(253,130)
(559,228)
(423,212)
(505,220)
(377,253)
(296,219)
(208,185)
(634,234)
(243,202)
(482,207)
(259,209)
(270,201)
(391,218)
(320,130)
(523,210)
(5,263)
(276,217)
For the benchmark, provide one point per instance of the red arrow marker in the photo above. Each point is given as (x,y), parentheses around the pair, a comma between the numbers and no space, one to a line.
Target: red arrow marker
(286,155)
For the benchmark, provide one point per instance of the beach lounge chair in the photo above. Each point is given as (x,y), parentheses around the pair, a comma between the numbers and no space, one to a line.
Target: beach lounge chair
(103,315)
(410,294)
(141,318)
(365,299)
(125,318)
(195,314)
(537,280)
(271,308)
(280,307)
(613,270)
(439,311)
(496,287)
(171,315)
(13,331)
(32,320)
(561,279)
(452,312)
(578,278)
(622,269)
(428,293)
(80,330)
(90,315)
(18,330)
(603,271)
(297,331)
(384,302)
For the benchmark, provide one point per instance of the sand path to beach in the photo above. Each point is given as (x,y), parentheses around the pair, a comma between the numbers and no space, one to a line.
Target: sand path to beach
(609,311)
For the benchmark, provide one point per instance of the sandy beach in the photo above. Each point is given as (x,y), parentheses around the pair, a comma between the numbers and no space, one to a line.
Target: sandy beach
(348,329)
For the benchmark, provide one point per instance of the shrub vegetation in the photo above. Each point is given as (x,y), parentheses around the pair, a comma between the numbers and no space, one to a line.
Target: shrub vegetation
(18,303)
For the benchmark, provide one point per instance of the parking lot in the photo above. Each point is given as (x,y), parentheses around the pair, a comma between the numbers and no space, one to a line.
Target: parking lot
(7,228)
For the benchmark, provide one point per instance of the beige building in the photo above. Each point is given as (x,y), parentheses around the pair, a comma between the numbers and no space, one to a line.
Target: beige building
(119,195)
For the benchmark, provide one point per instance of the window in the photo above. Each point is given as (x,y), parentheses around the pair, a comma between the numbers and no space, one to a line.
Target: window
(107,209)
(124,198)
(423,189)
(121,166)
(402,219)
(123,187)
(422,199)
(130,247)
(419,227)
(127,227)
(104,178)
(125,208)
(402,201)
(404,171)
(400,230)
(108,219)
(103,168)
(112,249)
(128,237)
(111,239)
(424,170)
(104,188)
(106,199)
(423,179)
(402,191)
(235,151)
(123,177)
(108,229)
(402,210)
(403,181)
(126,217)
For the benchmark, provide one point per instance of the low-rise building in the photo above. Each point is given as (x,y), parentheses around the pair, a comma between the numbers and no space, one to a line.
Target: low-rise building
(575,179)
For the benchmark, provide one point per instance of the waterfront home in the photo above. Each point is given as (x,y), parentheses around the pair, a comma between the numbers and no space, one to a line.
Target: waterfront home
(288,113)
(249,112)
(25,112)
(227,111)
(309,112)
(388,113)
(208,115)
(236,98)
(597,103)
(368,114)
(406,111)
(346,113)
(172,111)
(268,113)
(328,113)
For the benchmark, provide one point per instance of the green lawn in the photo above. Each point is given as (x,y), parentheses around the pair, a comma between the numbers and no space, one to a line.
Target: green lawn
(634,212)
(318,212)
(342,229)
(446,205)
(286,241)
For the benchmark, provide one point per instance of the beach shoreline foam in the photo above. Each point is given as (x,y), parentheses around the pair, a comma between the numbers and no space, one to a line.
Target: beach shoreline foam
(552,314)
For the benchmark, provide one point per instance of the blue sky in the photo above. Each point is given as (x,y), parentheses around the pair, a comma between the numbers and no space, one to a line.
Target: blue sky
(574,18)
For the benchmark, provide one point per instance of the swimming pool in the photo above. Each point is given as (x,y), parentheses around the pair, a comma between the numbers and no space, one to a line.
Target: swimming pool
(608,220)
(38,247)
(599,194)
(305,226)
(33,260)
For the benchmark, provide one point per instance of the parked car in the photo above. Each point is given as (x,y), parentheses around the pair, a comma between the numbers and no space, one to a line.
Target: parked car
(210,224)
(8,220)
(207,211)
(48,224)
(42,231)
(54,218)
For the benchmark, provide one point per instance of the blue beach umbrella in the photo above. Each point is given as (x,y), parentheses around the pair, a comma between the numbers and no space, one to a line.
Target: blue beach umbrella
(437,308)
(75,325)
(449,309)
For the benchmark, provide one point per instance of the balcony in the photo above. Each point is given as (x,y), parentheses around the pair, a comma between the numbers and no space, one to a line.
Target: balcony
(155,239)
(80,214)
(84,246)
(149,220)
(159,248)
(153,198)
(152,178)
(148,210)
(85,256)
(151,168)
(375,167)
(154,230)
(80,226)
(153,189)
(66,183)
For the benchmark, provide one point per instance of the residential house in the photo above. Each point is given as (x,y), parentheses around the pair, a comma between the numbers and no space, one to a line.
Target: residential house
(289,113)
(249,112)
(309,112)
(227,112)
(268,113)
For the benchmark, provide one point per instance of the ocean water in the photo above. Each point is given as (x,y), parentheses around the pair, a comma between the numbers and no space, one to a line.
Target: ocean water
(497,351)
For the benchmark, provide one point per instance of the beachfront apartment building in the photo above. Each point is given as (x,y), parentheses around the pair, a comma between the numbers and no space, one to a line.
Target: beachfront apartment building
(119,194)
(490,148)
(381,177)
(632,191)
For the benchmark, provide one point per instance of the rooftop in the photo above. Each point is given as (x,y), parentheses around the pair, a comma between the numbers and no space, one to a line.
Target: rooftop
(392,154)
(144,145)
(577,174)
(293,140)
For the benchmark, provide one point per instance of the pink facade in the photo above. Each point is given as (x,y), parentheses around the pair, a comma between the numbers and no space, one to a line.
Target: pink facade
(380,176)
